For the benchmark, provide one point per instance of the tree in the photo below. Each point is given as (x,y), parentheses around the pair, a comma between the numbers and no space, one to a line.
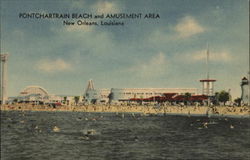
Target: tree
(76,99)
(223,96)
(64,100)
(15,100)
(187,97)
(216,98)
(238,101)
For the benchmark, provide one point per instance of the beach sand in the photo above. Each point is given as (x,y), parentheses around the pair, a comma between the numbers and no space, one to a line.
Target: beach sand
(178,110)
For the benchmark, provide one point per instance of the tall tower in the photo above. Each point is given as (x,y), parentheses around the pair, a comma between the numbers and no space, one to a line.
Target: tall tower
(207,84)
(245,90)
(91,94)
(90,86)
(3,82)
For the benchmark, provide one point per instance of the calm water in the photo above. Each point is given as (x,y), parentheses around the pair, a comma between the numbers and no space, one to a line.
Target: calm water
(30,135)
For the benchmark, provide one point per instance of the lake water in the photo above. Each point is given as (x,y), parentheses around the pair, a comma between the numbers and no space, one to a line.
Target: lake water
(75,135)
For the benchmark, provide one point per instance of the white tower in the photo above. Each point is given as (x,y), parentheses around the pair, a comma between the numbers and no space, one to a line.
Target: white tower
(245,90)
(3,82)
(90,87)
(207,84)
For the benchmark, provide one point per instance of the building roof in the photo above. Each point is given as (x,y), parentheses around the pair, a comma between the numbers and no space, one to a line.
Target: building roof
(207,80)
(34,90)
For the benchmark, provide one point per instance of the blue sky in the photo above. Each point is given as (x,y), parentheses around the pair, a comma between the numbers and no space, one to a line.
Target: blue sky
(166,52)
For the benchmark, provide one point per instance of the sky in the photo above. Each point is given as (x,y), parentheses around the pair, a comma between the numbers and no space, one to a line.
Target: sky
(166,52)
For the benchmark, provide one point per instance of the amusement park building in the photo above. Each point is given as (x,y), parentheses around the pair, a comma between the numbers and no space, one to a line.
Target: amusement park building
(123,94)
(97,95)
(33,94)
(114,95)
(37,94)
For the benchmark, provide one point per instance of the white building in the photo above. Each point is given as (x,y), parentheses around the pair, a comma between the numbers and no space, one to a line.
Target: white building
(38,95)
(124,94)
(33,94)
(93,95)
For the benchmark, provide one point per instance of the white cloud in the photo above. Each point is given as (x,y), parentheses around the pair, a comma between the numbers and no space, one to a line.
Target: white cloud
(187,27)
(105,7)
(155,66)
(53,65)
(99,7)
(224,56)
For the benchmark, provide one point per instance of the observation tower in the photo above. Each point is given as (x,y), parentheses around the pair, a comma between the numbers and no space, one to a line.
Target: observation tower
(207,84)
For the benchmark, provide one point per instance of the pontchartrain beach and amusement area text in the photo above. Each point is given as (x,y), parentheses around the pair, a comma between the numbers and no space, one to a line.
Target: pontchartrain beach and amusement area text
(90,19)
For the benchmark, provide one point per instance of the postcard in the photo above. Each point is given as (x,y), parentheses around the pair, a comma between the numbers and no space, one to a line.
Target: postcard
(116,79)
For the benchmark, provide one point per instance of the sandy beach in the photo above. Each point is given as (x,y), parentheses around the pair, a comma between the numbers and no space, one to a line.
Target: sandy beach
(179,110)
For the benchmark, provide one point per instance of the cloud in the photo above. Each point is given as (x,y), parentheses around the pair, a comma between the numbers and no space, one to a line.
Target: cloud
(155,66)
(50,66)
(188,27)
(185,28)
(105,7)
(224,56)
(99,8)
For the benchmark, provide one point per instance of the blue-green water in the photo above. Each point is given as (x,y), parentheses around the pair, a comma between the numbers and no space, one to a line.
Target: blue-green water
(30,135)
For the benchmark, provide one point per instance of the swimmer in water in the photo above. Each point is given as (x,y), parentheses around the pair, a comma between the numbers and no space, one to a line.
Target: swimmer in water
(56,129)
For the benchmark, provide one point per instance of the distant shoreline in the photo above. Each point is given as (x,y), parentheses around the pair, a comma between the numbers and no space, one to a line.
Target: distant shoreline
(165,110)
